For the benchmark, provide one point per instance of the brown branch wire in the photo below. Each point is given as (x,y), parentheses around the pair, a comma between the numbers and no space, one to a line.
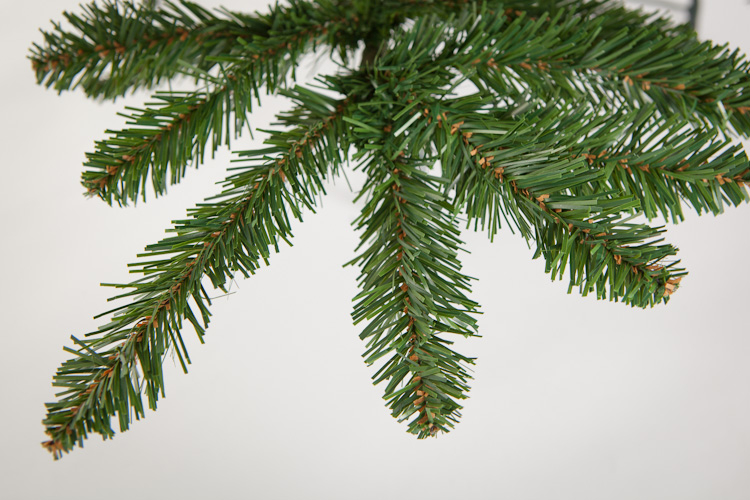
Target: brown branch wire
(419,391)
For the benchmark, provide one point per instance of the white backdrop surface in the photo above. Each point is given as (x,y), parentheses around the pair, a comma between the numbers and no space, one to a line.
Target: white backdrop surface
(572,398)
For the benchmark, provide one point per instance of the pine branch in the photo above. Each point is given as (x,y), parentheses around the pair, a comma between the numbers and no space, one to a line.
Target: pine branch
(610,255)
(412,290)
(660,163)
(412,287)
(231,232)
(164,138)
(174,131)
(523,170)
(104,379)
(666,166)
(618,57)
(119,46)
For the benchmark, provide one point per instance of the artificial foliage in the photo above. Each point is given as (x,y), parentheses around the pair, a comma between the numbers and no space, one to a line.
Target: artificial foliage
(573,123)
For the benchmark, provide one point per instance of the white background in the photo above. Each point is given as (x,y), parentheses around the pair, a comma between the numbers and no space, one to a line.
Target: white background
(572,399)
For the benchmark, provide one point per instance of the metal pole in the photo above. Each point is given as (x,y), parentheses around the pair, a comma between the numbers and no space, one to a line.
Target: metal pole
(693,11)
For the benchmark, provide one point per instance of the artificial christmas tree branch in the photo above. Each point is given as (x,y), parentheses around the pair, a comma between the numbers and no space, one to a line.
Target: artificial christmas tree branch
(623,60)
(140,46)
(566,121)
(542,192)
(412,289)
(233,232)
(175,131)
(137,46)
(411,280)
